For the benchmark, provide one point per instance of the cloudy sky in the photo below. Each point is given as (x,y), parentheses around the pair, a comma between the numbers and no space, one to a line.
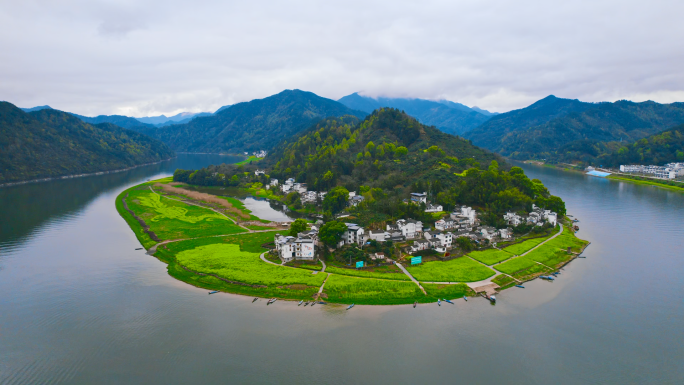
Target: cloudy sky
(142,58)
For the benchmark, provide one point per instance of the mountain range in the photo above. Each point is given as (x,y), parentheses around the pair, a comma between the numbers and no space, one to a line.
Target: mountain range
(450,117)
(48,143)
(250,126)
(551,127)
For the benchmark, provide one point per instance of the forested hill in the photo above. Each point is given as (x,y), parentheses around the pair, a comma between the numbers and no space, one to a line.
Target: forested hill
(118,120)
(249,126)
(659,149)
(450,117)
(492,133)
(569,130)
(50,143)
(387,149)
(385,157)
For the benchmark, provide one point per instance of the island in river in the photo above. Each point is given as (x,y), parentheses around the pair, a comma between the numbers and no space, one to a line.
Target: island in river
(214,242)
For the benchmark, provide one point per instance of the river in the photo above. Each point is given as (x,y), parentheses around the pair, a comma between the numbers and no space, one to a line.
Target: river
(78,304)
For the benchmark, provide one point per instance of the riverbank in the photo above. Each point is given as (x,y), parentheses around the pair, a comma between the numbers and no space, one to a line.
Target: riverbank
(200,238)
(648,181)
(81,175)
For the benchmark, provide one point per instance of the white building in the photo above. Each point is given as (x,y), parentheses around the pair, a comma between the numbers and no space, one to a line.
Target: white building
(290,248)
(355,200)
(466,213)
(445,224)
(440,241)
(355,234)
(505,233)
(419,245)
(409,228)
(433,208)
(513,219)
(259,172)
(419,198)
(655,171)
(377,235)
(273,182)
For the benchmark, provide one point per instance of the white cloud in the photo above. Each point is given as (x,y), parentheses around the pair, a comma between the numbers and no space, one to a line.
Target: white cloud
(152,57)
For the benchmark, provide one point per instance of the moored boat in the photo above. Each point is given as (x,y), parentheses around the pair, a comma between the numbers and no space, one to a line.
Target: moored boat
(300,302)
(447,301)
(213,292)
(350,306)
(439,302)
(255,299)
(465,298)
(520,286)
(414,304)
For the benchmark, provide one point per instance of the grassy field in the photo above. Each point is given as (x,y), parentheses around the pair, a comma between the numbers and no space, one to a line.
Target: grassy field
(647,181)
(461,269)
(139,232)
(384,272)
(490,256)
(522,268)
(525,246)
(503,280)
(170,219)
(250,158)
(446,291)
(363,291)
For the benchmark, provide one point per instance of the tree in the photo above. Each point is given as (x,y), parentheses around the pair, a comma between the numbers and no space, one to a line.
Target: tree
(464,243)
(401,151)
(298,226)
(331,233)
(336,200)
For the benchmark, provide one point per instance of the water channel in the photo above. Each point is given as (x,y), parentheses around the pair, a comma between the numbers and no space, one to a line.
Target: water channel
(78,304)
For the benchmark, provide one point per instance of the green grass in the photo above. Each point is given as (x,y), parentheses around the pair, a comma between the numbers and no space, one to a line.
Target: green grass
(139,232)
(446,291)
(461,269)
(646,181)
(251,158)
(363,291)
(228,261)
(504,280)
(170,219)
(522,268)
(490,256)
(384,272)
(525,246)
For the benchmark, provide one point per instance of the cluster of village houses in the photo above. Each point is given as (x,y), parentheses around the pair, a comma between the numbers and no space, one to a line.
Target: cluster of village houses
(259,154)
(463,222)
(669,171)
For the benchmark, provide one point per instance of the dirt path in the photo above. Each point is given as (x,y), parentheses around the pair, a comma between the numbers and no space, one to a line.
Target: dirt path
(410,276)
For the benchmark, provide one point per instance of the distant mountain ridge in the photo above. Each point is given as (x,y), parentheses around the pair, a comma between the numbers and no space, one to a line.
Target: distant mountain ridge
(450,117)
(49,143)
(553,124)
(249,126)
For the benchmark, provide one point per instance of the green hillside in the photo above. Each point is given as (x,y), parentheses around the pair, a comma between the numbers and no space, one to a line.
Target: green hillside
(562,130)
(659,149)
(384,158)
(249,126)
(50,143)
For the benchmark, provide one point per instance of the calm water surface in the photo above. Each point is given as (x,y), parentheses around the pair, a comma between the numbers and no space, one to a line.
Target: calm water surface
(79,305)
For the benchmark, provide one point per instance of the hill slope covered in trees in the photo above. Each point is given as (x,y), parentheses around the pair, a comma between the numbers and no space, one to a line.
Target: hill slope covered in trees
(249,126)
(50,143)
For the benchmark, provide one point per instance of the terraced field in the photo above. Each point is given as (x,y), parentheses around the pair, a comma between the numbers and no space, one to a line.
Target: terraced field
(461,269)
(345,289)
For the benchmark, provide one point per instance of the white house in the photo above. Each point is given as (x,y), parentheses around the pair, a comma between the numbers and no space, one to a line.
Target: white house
(377,235)
(355,200)
(419,198)
(380,256)
(419,245)
(290,248)
(551,217)
(259,172)
(488,232)
(273,182)
(308,197)
(505,233)
(433,208)
(466,213)
(513,219)
(409,228)
(355,234)
(445,224)
(439,241)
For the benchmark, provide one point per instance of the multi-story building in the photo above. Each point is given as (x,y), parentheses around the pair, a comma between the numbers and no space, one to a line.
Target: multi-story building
(303,247)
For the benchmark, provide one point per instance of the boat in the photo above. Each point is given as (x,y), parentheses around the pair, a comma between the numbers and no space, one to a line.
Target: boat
(447,301)
(520,286)
(306,303)
(313,303)
(270,301)
(300,302)
(414,304)
(213,292)
(439,302)
(548,278)
(465,298)
(139,248)
(350,306)
(581,256)
(492,298)
(255,299)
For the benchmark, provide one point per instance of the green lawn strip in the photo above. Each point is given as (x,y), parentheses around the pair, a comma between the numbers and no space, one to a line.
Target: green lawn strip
(250,158)
(504,281)
(170,219)
(138,230)
(490,256)
(381,272)
(523,247)
(364,291)
(461,269)
(531,272)
(549,256)
(521,268)
(259,227)
(446,291)
(567,239)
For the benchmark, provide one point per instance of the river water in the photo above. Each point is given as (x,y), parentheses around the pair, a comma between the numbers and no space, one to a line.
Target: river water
(78,304)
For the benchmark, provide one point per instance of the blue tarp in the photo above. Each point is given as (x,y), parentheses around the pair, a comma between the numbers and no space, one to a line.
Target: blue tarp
(598,173)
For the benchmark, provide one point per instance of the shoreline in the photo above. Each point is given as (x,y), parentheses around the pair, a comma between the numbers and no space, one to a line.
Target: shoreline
(39,180)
